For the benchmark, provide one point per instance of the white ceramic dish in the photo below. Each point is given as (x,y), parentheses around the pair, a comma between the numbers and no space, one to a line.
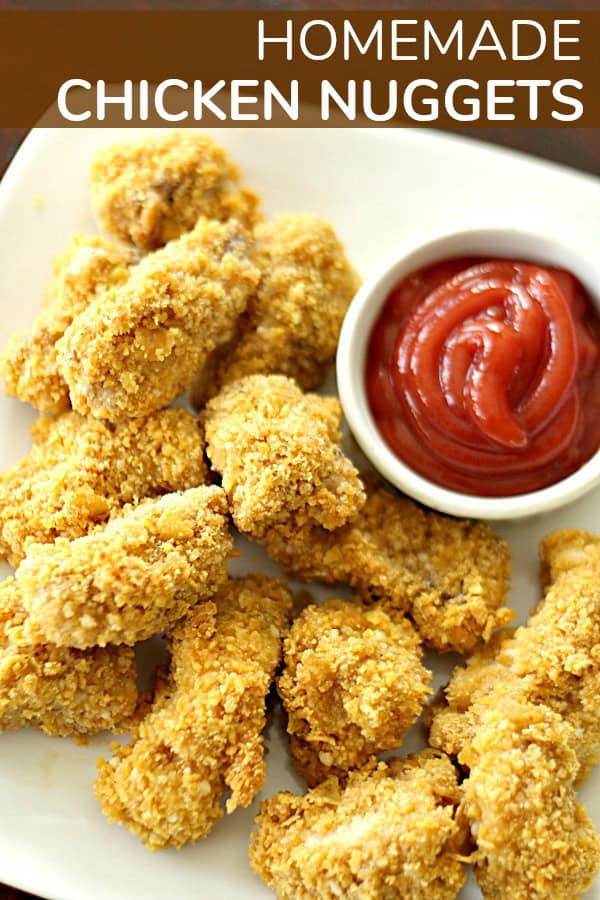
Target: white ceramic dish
(379,188)
(351,358)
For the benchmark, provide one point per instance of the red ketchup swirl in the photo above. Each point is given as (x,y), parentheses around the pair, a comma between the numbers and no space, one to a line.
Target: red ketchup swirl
(484,375)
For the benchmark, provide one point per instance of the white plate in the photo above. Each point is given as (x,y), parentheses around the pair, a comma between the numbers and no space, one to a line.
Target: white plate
(378,188)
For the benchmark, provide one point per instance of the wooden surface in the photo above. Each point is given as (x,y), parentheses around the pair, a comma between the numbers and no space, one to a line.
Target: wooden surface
(577,147)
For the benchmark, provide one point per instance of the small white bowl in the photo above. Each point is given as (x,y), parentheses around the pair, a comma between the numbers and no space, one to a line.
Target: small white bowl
(351,361)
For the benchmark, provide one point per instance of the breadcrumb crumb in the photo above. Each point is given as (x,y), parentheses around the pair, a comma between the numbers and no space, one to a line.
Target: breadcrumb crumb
(203,734)
(133,578)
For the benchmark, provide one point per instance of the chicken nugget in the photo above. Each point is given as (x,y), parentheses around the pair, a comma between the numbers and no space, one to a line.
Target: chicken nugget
(203,734)
(29,365)
(134,577)
(455,714)
(152,191)
(391,831)
(61,691)
(139,345)
(278,452)
(352,684)
(450,575)
(552,661)
(81,470)
(292,323)
(534,841)
(561,551)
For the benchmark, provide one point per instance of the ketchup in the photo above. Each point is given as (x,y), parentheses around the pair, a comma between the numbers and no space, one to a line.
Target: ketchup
(484,375)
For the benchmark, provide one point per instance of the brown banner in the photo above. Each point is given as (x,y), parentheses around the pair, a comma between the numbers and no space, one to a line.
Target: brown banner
(449,69)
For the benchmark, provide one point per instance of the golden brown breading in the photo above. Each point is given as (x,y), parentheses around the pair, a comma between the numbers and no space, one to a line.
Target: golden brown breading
(534,841)
(80,470)
(29,365)
(561,551)
(132,578)
(352,684)
(391,833)
(152,191)
(61,691)
(278,452)
(203,734)
(455,714)
(554,660)
(293,321)
(138,346)
(451,575)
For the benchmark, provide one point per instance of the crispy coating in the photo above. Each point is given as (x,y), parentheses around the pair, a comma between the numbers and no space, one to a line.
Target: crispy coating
(351,685)
(562,551)
(534,841)
(203,734)
(451,575)
(134,577)
(293,321)
(455,715)
(152,191)
(138,346)
(80,470)
(554,661)
(391,832)
(29,365)
(278,453)
(61,691)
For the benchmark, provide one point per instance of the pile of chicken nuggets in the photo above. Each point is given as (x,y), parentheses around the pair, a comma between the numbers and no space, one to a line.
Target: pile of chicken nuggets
(120,526)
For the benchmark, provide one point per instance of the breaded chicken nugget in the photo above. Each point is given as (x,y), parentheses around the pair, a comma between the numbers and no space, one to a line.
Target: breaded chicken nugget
(134,577)
(451,575)
(29,365)
(80,470)
(554,660)
(61,691)
(534,841)
(203,734)
(278,453)
(351,685)
(391,832)
(139,345)
(561,551)
(152,191)
(293,321)
(455,714)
